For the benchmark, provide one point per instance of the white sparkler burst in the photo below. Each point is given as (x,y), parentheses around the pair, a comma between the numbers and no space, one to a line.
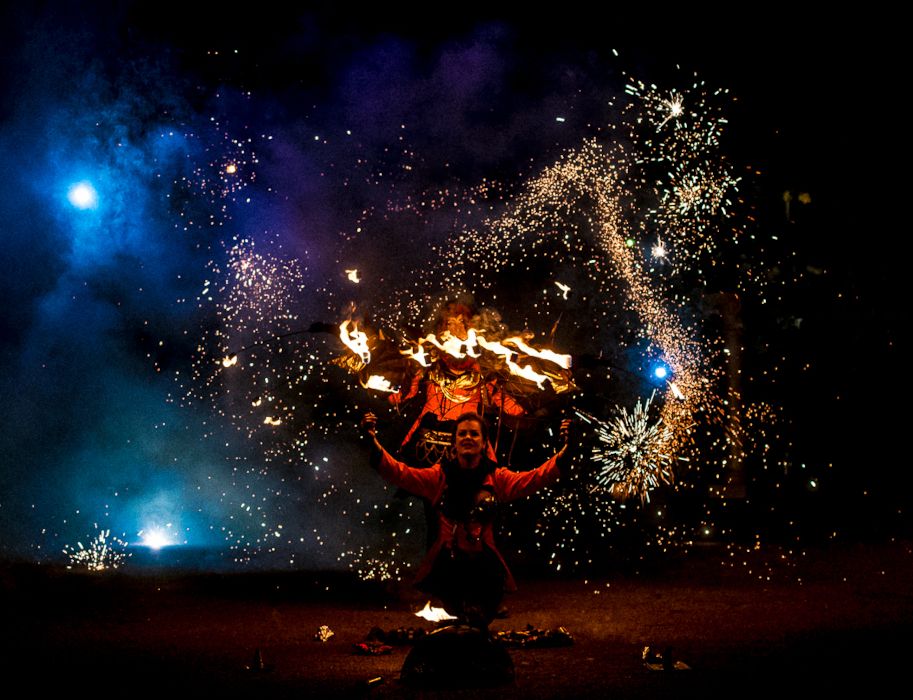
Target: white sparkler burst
(658,250)
(104,552)
(675,106)
(633,453)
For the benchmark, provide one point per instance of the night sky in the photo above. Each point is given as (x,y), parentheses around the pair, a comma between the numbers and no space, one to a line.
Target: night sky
(101,311)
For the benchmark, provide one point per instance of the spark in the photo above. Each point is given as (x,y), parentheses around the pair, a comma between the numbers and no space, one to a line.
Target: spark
(353,276)
(564,289)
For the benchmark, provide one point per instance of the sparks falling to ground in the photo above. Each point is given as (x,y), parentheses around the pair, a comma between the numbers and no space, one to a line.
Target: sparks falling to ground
(103,553)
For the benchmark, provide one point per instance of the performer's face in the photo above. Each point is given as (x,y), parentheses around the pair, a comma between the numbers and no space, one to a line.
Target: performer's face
(457,327)
(468,439)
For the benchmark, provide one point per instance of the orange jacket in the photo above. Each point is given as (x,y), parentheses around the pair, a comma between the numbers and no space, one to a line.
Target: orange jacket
(430,483)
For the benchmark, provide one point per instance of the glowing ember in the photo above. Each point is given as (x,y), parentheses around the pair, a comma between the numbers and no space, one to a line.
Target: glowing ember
(230,361)
(353,276)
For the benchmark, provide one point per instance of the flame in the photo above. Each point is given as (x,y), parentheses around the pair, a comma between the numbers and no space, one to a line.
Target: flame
(560,360)
(229,360)
(353,276)
(376,381)
(468,347)
(419,355)
(355,340)
(269,420)
(434,614)
(453,345)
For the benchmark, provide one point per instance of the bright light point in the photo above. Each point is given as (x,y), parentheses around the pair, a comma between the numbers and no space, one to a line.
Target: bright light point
(231,168)
(155,539)
(660,372)
(83,196)
(629,242)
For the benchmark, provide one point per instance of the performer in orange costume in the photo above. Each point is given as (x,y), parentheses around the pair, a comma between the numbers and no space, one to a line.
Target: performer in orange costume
(452,386)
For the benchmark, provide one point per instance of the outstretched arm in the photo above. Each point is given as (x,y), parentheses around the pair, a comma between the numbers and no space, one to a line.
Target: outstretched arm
(426,483)
(369,425)
(511,485)
(562,456)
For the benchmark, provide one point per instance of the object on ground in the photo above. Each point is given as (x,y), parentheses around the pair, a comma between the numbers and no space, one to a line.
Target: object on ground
(257,664)
(457,656)
(372,647)
(401,636)
(662,661)
(534,637)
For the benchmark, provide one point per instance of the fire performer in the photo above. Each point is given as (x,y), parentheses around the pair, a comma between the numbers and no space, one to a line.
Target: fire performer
(464,567)
(451,386)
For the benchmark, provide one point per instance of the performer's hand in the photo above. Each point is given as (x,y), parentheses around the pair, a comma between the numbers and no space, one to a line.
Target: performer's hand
(369,423)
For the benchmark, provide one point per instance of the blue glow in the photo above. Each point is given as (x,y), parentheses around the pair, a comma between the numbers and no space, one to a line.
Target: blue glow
(660,372)
(82,195)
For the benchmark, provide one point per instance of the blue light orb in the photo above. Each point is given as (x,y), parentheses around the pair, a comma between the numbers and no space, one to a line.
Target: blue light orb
(82,195)
(660,372)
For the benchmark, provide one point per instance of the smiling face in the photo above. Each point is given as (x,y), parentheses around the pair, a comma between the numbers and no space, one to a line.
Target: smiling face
(469,440)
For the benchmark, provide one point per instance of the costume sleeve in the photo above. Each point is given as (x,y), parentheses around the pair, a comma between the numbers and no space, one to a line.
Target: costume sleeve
(425,483)
(504,401)
(510,485)
(397,397)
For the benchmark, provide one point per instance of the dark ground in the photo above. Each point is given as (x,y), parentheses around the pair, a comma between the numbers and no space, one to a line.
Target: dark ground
(832,620)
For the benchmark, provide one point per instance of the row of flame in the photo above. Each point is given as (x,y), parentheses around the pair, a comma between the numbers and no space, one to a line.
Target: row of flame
(471,346)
